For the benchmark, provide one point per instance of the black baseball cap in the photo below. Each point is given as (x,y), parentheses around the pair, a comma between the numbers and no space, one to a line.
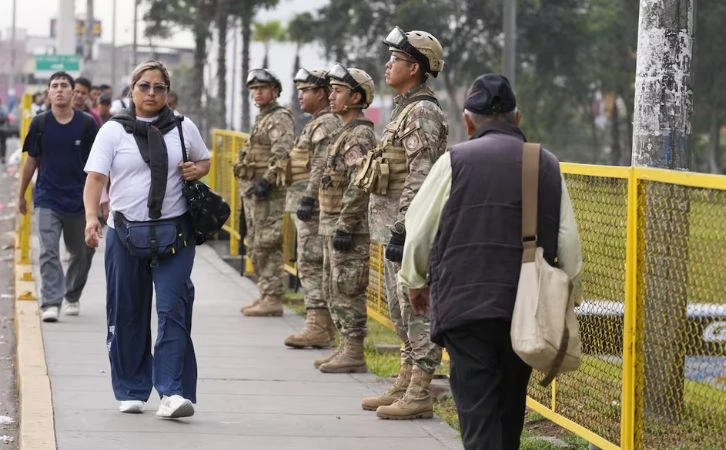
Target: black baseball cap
(490,94)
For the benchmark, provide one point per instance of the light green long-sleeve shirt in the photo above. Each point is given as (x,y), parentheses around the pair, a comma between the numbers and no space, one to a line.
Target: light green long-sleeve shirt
(424,215)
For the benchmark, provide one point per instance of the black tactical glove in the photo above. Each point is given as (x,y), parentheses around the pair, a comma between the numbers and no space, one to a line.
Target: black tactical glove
(342,241)
(306,208)
(261,189)
(394,249)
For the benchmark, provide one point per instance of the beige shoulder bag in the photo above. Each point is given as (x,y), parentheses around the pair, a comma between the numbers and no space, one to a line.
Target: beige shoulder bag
(544,326)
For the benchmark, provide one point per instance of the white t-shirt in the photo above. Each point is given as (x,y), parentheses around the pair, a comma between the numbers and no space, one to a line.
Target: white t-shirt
(119,105)
(115,154)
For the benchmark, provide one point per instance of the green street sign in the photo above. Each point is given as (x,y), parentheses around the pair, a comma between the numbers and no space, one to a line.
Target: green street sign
(46,65)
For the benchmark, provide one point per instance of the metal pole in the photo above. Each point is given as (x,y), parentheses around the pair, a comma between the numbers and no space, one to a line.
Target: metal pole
(661,131)
(136,13)
(88,47)
(510,40)
(113,47)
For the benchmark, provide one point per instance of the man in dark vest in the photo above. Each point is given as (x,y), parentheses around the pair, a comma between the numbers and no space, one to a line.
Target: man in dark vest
(463,255)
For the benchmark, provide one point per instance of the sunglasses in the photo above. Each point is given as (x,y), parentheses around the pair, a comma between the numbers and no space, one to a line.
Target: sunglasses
(394,59)
(159,89)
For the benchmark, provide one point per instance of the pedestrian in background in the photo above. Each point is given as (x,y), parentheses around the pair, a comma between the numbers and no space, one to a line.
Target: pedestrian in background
(61,138)
(464,240)
(141,151)
(82,99)
(409,146)
(305,169)
(344,219)
(260,165)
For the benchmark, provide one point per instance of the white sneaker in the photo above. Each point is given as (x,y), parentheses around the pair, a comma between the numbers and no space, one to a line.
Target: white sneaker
(50,314)
(131,406)
(71,308)
(175,406)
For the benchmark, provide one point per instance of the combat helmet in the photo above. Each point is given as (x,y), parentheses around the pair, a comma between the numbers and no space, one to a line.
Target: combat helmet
(313,78)
(354,79)
(263,77)
(421,46)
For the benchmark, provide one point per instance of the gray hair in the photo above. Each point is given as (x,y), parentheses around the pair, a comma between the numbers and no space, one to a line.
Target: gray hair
(151,64)
(481,119)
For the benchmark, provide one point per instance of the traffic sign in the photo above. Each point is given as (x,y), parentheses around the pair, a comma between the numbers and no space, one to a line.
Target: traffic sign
(47,65)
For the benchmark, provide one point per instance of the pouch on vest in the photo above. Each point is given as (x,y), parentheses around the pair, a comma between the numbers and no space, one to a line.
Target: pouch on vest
(280,168)
(155,240)
(363,176)
(382,172)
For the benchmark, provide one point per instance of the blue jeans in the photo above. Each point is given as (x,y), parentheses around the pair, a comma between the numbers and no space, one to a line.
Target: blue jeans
(172,370)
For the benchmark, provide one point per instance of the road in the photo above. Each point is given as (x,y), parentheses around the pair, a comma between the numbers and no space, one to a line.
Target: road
(8,391)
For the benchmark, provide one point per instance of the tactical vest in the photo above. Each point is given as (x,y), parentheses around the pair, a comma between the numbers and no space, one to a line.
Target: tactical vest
(334,183)
(298,166)
(256,159)
(384,171)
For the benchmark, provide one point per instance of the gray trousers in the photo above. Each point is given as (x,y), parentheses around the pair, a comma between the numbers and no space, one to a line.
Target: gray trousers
(54,283)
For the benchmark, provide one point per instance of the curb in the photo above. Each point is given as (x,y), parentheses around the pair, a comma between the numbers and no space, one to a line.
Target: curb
(36,429)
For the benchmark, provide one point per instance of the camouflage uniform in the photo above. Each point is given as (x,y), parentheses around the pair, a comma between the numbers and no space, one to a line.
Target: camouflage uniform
(420,128)
(345,274)
(313,143)
(273,130)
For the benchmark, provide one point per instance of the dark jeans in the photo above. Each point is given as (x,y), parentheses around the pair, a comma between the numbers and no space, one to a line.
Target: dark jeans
(129,283)
(489,385)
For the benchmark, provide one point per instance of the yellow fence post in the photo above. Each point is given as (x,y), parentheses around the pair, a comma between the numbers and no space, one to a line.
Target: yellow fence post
(627,425)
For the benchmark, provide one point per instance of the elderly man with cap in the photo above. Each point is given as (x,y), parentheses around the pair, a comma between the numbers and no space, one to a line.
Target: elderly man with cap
(344,220)
(260,167)
(410,144)
(304,171)
(463,255)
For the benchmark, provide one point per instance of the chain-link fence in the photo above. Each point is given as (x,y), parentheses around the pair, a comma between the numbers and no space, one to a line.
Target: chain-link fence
(653,317)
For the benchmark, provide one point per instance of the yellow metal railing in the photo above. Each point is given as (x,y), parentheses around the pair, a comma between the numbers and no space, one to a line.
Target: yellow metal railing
(650,238)
(23,231)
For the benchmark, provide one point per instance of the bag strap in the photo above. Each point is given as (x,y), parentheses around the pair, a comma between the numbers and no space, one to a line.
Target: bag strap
(179,120)
(530,182)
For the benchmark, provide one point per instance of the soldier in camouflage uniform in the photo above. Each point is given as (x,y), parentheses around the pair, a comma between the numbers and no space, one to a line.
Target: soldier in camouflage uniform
(410,144)
(344,220)
(260,170)
(305,169)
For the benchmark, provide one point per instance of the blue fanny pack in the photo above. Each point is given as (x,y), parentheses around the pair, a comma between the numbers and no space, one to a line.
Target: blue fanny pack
(155,240)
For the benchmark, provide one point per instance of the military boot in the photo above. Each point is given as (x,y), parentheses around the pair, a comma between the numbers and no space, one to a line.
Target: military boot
(320,361)
(268,307)
(318,331)
(416,403)
(350,360)
(393,393)
(254,303)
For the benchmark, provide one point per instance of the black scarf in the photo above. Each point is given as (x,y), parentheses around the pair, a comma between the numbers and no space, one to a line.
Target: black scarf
(149,137)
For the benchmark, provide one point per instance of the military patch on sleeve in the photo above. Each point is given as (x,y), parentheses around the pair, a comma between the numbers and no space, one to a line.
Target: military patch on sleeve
(318,135)
(353,155)
(413,143)
(274,133)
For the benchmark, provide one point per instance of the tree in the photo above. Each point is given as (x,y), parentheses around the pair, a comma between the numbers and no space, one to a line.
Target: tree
(163,16)
(301,31)
(246,11)
(268,32)
(222,19)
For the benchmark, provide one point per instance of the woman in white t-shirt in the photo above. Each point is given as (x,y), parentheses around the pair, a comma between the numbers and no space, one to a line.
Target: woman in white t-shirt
(150,244)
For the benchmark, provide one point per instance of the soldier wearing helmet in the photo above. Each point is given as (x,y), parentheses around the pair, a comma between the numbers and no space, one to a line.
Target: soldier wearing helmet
(344,220)
(304,171)
(260,169)
(412,141)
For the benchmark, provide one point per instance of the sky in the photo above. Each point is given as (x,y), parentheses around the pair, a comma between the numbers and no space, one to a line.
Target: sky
(35,16)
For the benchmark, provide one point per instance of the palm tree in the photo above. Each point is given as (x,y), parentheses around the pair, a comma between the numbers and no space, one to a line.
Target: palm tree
(268,32)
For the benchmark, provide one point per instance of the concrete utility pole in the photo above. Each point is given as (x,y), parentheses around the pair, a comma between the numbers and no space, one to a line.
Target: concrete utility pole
(66,28)
(88,35)
(661,131)
(113,47)
(11,79)
(510,40)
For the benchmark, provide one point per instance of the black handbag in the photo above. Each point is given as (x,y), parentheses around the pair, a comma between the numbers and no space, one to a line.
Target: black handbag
(207,210)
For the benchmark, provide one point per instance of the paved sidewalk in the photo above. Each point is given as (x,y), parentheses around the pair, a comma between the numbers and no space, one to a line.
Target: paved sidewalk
(253,393)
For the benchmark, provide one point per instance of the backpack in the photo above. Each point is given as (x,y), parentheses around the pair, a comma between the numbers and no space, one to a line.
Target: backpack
(89,132)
